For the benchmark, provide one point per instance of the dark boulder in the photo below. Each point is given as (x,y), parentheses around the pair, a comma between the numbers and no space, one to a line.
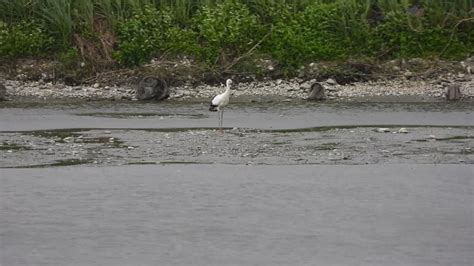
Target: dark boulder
(71,81)
(152,88)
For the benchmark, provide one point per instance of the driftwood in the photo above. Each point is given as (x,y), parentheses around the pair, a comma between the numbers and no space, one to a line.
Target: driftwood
(317,92)
(453,92)
(3,92)
(152,88)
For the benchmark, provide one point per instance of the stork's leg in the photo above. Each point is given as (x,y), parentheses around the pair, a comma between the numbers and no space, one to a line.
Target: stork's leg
(222,118)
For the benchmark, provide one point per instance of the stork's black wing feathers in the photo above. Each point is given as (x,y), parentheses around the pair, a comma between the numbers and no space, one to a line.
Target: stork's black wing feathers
(213,107)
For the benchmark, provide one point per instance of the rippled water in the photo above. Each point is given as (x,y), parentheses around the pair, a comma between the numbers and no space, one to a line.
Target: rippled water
(285,184)
(282,115)
(238,215)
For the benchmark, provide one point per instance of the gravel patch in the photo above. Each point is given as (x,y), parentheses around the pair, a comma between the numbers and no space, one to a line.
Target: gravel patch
(294,88)
(361,145)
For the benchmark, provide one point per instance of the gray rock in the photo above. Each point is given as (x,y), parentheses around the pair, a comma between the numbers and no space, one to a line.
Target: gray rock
(453,92)
(468,64)
(305,86)
(59,86)
(383,130)
(3,92)
(403,130)
(317,92)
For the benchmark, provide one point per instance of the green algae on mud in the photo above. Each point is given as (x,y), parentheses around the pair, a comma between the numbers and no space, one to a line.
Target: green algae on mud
(455,138)
(57,163)
(58,135)
(167,162)
(68,136)
(13,147)
(448,139)
(141,115)
(325,146)
(171,162)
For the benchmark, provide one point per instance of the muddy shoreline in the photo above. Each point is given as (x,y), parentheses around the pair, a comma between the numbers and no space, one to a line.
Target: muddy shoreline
(58,133)
(334,145)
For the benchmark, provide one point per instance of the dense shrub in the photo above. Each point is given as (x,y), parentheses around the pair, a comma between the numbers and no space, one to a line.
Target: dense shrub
(219,31)
(23,39)
(226,30)
(143,35)
(149,33)
(399,37)
(315,33)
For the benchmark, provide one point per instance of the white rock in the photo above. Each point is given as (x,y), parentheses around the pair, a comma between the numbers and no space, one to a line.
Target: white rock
(96,85)
(331,82)
(383,130)
(305,86)
(403,130)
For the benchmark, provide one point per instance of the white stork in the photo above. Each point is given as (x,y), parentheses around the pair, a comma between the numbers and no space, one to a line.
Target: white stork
(220,101)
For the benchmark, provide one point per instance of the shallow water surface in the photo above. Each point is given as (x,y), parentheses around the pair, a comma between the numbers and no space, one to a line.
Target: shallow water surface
(273,115)
(238,215)
(285,183)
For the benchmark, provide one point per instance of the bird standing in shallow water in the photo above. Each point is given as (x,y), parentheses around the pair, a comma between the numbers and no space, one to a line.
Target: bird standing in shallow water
(220,101)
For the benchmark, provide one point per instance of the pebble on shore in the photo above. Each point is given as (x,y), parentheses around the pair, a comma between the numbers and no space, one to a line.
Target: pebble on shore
(294,88)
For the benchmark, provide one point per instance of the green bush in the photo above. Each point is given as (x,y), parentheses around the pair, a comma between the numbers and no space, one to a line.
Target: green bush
(399,37)
(182,42)
(149,33)
(225,30)
(217,32)
(24,39)
(313,34)
(324,31)
(142,36)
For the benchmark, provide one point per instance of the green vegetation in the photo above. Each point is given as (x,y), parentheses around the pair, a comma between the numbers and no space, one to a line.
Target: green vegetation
(6,146)
(23,39)
(220,33)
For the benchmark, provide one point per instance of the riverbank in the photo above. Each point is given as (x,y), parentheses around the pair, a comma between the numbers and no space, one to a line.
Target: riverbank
(273,89)
(415,80)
